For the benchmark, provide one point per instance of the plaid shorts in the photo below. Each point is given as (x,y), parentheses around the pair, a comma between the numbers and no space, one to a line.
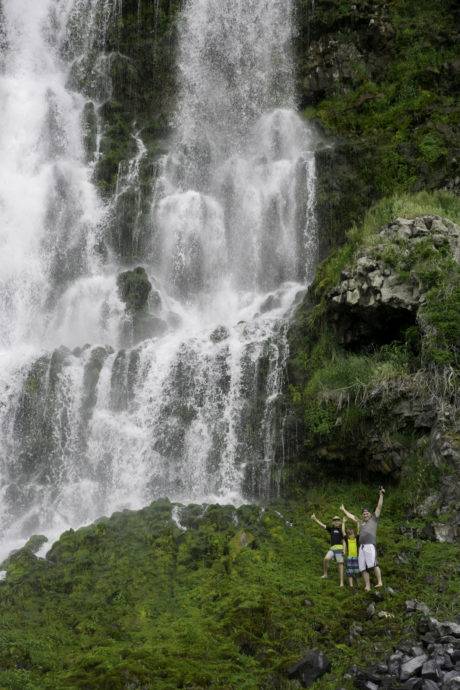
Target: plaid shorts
(335,555)
(352,566)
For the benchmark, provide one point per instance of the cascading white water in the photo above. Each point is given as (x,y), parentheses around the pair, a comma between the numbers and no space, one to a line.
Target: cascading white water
(191,411)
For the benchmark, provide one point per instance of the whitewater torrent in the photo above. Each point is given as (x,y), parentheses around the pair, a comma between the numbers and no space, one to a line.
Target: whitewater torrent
(92,420)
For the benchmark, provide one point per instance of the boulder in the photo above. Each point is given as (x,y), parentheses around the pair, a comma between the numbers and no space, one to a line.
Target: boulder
(313,665)
(35,543)
(430,670)
(446,533)
(412,667)
(413,684)
(134,288)
(451,681)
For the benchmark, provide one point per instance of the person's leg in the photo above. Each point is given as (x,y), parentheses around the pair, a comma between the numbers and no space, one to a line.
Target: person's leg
(367,581)
(378,575)
(326,560)
(341,574)
(363,568)
(351,581)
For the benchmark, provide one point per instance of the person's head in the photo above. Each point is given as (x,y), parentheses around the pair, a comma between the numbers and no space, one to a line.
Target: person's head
(336,521)
(366,514)
(351,532)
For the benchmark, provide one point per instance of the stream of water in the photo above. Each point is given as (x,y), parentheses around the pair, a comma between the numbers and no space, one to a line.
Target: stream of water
(92,418)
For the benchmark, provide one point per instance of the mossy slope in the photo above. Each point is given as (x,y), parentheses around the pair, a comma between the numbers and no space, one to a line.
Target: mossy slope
(135,601)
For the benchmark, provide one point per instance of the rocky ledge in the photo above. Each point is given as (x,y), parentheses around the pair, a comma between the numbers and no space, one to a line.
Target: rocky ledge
(376,297)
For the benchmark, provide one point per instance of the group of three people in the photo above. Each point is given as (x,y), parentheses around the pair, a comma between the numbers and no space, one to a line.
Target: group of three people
(359,546)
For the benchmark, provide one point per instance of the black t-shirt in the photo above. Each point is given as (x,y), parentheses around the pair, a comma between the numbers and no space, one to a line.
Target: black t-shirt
(336,535)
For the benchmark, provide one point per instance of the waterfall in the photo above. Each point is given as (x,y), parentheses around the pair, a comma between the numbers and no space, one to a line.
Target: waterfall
(101,409)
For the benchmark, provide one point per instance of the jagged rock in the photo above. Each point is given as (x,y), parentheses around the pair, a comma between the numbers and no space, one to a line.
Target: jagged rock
(355,631)
(428,684)
(444,629)
(136,292)
(446,533)
(271,302)
(413,605)
(428,505)
(373,299)
(430,670)
(446,663)
(394,663)
(412,667)
(311,667)
(148,326)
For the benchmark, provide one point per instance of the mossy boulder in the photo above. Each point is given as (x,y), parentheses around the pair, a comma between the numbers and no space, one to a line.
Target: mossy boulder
(134,288)
(136,292)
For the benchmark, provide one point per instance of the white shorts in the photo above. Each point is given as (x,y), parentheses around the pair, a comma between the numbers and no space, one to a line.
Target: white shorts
(367,557)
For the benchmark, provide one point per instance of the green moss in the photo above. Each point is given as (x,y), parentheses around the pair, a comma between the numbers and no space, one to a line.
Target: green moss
(396,105)
(135,599)
(341,398)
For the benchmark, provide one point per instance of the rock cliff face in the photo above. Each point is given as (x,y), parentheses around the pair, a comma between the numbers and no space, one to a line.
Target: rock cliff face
(374,301)
(376,388)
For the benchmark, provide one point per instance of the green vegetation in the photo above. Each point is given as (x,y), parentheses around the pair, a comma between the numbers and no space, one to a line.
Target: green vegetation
(364,235)
(345,397)
(135,601)
(433,268)
(405,110)
(380,78)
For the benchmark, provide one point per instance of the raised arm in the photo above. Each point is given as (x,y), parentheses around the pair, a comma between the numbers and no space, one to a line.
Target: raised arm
(349,515)
(318,522)
(344,532)
(378,509)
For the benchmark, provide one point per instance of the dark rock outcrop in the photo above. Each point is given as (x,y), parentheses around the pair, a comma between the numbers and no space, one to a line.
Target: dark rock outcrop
(312,666)
(136,292)
(134,287)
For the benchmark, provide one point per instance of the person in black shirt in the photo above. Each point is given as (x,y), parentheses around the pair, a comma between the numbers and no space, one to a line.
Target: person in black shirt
(336,549)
